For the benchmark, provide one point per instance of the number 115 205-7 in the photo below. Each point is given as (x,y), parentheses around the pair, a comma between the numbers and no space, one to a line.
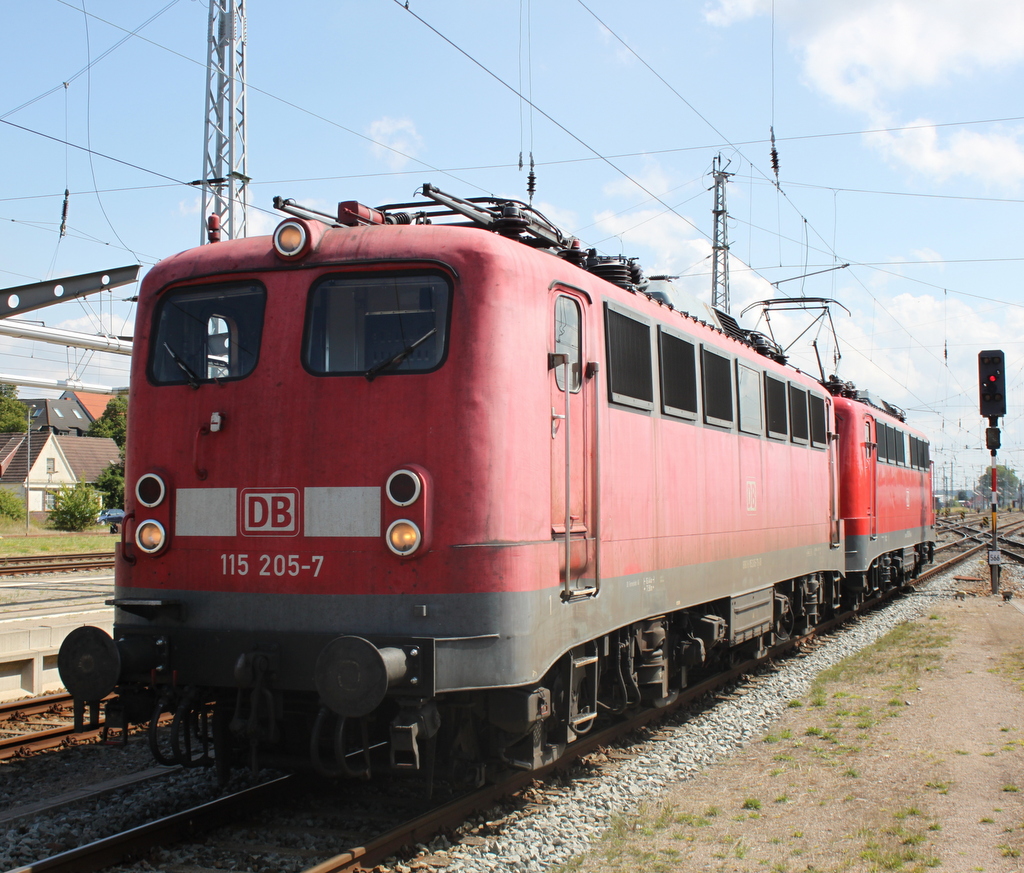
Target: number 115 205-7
(270,565)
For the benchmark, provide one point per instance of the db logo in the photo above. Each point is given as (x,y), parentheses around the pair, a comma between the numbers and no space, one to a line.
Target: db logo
(269,513)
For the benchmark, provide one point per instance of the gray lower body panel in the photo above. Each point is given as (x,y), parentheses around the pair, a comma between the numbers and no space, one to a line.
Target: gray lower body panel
(481,640)
(862,551)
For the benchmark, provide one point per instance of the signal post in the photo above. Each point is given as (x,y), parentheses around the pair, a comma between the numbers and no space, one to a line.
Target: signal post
(992,379)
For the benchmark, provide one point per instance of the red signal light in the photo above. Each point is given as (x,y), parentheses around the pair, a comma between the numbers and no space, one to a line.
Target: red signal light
(991,369)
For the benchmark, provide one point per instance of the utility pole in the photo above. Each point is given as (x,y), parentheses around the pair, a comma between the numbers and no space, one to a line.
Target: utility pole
(224,159)
(720,246)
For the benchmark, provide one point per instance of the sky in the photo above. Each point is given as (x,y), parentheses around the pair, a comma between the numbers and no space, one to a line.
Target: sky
(898,129)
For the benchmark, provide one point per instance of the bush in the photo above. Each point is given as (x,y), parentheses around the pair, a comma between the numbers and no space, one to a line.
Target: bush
(110,484)
(75,507)
(11,506)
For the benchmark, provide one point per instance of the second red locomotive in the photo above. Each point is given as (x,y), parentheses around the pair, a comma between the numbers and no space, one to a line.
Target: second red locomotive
(430,484)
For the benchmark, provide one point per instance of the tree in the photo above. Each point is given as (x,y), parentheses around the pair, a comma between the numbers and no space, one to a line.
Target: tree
(113,422)
(1007,482)
(75,507)
(110,483)
(12,411)
(11,506)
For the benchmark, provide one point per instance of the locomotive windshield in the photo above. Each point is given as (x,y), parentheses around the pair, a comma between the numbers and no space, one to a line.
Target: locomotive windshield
(369,325)
(206,334)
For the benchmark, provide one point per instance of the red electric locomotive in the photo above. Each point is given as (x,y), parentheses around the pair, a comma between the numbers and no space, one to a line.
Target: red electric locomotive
(886,493)
(430,484)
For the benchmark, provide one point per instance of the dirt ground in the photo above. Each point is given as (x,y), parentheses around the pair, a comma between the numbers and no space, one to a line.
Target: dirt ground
(908,756)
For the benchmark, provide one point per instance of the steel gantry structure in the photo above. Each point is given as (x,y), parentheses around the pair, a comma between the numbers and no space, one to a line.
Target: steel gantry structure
(224,181)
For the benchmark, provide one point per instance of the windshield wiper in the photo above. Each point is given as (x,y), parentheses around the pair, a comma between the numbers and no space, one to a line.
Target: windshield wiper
(371,374)
(190,374)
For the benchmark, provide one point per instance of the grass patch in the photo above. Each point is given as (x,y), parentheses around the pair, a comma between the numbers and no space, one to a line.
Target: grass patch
(14,543)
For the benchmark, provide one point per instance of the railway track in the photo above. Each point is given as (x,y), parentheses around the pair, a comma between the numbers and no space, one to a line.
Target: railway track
(22,565)
(365,852)
(39,725)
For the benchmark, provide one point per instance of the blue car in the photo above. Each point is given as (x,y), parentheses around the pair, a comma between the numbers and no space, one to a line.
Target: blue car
(110,516)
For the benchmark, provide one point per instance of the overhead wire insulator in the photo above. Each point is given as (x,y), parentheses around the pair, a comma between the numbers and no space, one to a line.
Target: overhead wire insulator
(775,156)
(64,214)
(531,180)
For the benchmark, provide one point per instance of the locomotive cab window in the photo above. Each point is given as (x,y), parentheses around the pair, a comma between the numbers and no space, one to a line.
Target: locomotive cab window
(207,334)
(377,324)
(567,342)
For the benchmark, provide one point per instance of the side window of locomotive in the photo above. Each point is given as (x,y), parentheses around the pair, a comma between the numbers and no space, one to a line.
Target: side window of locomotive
(819,421)
(748,399)
(630,381)
(882,432)
(717,381)
(678,376)
(918,454)
(799,428)
(869,443)
(567,342)
(924,449)
(901,447)
(377,324)
(775,407)
(207,334)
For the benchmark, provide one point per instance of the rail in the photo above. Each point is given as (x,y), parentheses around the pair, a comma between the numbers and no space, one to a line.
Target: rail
(21,565)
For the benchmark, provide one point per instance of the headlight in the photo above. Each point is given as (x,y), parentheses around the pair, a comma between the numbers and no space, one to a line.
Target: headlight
(150,536)
(403,537)
(291,238)
(403,487)
(150,490)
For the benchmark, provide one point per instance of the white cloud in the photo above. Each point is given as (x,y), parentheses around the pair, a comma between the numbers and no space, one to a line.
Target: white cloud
(726,12)
(190,205)
(860,54)
(396,141)
(870,55)
(965,152)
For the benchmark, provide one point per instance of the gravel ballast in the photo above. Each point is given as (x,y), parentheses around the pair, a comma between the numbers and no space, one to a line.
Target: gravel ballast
(576,814)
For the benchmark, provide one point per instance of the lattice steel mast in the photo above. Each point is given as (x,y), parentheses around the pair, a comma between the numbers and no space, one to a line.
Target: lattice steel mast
(224,172)
(720,246)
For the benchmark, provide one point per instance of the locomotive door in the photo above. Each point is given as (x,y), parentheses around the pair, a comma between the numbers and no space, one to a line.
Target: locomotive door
(571,443)
(871,448)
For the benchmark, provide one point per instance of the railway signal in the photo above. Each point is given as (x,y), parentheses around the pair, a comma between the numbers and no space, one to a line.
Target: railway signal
(992,378)
(992,396)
